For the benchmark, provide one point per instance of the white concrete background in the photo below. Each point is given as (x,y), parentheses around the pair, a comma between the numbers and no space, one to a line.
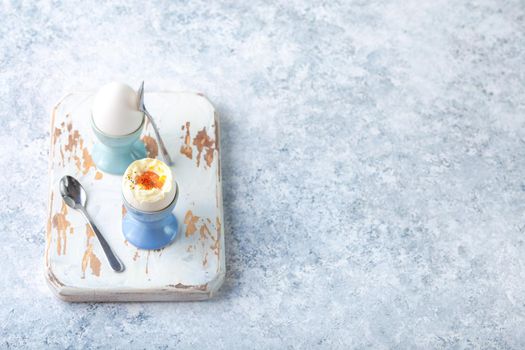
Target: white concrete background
(373,161)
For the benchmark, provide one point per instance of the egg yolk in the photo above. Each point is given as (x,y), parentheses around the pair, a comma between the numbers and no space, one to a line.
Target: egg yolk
(149,180)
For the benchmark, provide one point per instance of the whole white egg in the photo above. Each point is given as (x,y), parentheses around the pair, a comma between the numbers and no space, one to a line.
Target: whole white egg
(115,109)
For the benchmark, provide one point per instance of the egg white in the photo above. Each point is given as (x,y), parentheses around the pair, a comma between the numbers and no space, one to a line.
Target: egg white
(153,199)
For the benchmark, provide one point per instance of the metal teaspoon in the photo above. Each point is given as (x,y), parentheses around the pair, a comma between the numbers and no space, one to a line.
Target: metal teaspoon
(142,108)
(75,197)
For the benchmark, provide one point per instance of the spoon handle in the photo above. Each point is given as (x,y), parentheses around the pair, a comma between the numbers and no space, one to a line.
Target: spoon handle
(113,260)
(165,153)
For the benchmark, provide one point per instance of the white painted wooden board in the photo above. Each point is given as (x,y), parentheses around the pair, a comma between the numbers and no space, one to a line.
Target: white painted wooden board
(193,267)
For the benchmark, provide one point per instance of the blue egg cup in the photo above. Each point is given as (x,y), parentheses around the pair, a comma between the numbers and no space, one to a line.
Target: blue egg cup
(113,154)
(150,230)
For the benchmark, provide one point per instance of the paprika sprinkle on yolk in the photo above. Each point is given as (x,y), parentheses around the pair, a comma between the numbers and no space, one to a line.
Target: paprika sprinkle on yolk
(149,180)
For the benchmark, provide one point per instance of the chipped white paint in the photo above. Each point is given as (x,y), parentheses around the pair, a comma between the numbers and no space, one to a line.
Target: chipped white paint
(193,267)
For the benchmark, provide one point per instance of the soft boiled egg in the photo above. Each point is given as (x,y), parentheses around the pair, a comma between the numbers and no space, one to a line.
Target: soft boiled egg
(147,185)
(115,110)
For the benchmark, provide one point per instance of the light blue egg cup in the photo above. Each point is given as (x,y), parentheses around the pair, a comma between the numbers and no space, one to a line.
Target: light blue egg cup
(150,230)
(113,154)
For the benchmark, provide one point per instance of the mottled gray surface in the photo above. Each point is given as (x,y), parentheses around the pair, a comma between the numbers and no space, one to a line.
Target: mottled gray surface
(373,165)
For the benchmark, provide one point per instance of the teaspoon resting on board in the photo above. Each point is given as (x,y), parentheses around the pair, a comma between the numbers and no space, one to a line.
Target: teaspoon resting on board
(75,197)
(142,108)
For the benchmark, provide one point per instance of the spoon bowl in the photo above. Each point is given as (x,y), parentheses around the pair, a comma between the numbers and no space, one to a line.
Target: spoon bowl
(72,192)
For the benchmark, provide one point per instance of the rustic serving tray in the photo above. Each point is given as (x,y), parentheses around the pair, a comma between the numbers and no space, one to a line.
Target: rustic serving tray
(193,267)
